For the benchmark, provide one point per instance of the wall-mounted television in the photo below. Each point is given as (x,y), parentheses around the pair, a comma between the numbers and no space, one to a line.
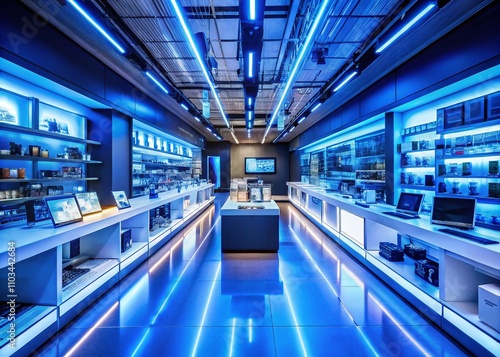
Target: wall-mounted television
(454,211)
(260,165)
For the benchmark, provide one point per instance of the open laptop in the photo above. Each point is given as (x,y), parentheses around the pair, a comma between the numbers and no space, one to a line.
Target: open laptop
(409,205)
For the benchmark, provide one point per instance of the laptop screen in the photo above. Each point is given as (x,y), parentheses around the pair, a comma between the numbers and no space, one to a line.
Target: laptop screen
(410,202)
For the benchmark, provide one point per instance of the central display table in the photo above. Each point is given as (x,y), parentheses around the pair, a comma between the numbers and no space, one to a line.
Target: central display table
(250,226)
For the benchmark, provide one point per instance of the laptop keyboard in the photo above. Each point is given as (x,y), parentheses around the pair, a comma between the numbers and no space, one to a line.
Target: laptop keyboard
(401,215)
(468,236)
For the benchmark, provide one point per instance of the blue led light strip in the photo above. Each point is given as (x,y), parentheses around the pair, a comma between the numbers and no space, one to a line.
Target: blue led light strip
(187,32)
(298,62)
(344,82)
(252,9)
(405,28)
(250,64)
(96,25)
(156,81)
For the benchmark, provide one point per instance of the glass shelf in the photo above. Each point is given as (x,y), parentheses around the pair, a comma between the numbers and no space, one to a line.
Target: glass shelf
(47,134)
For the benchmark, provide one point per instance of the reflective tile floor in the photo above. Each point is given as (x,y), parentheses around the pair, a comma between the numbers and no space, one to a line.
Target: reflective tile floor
(309,299)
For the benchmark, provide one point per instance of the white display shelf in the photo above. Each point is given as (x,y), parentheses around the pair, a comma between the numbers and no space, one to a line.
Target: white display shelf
(406,269)
(83,282)
(469,311)
(29,327)
(132,253)
(458,257)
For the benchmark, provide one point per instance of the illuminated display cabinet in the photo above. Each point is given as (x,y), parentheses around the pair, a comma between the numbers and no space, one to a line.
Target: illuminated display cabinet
(161,160)
(44,150)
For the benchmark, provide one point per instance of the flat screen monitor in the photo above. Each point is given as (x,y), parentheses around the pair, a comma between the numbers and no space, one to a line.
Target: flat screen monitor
(260,165)
(454,211)
(88,202)
(63,209)
(121,199)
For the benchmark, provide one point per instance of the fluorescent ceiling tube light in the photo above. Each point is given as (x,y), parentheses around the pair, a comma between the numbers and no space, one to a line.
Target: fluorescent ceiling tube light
(405,28)
(250,64)
(249,101)
(210,130)
(184,106)
(301,120)
(252,9)
(291,129)
(187,32)
(197,119)
(344,82)
(96,25)
(315,107)
(234,137)
(298,62)
(156,82)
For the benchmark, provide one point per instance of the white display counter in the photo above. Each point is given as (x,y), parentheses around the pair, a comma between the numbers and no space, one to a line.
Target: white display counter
(35,256)
(250,226)
(463,264)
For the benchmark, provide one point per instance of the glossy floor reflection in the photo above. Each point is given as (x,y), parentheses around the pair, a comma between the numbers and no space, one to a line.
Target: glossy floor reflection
(309,299)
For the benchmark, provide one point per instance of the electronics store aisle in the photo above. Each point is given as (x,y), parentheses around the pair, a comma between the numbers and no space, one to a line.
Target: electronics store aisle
(309,299)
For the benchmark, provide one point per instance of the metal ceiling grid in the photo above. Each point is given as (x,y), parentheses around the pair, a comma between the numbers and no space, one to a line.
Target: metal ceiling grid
(348,28)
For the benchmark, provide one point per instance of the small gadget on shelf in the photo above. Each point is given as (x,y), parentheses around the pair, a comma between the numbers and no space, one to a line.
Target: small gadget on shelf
(88,202)
(63,209)
(121,199)
(409,205)
(391,252)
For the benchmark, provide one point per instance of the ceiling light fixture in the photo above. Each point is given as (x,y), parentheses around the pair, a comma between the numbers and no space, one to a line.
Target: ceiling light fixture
(252,9)
(316,107)
(345,81)
(301,120)
(187,32)
(298,62)
(405,28)
(148,73)
(184,106)
(96,26)
(250,64)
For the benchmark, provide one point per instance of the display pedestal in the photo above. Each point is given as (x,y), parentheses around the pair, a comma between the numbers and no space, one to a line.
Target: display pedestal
(250,229)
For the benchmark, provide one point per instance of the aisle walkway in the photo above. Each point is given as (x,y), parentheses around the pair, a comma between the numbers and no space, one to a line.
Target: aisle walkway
(309,299)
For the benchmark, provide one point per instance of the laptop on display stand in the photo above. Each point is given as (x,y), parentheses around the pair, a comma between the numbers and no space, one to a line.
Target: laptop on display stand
(409,205)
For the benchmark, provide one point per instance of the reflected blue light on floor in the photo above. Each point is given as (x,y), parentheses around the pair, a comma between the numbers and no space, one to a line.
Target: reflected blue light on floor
(250,330)
(296,325)
(355,278)
(91,331)
(176,283)
(232,338)
(205,311)
(401,327)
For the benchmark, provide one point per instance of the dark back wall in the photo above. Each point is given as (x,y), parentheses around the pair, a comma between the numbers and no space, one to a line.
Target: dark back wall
(279,151)
(232,163)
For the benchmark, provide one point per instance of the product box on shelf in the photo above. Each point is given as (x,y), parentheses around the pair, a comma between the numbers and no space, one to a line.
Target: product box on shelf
(489,305)
(414,252)
(428,270)
(391,251)
(126,240)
